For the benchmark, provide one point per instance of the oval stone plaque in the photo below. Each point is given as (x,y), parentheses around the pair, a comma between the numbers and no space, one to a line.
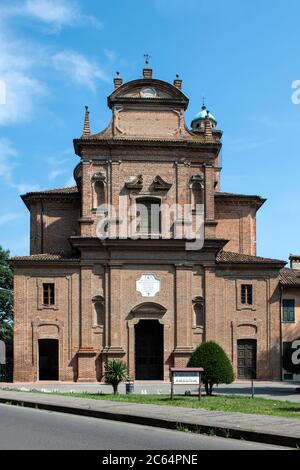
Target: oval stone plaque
(148,285)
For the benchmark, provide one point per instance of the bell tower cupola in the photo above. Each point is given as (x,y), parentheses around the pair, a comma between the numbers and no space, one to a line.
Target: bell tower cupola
(199,123)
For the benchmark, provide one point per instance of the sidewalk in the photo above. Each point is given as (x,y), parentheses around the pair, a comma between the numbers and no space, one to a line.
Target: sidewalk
(264,429)
(269,390)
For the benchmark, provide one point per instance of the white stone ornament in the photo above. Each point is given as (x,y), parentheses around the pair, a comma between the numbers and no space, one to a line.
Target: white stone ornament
(148,93)
(148,285)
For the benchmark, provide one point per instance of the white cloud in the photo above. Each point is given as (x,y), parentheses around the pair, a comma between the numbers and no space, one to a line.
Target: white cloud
(16,73)
(110,55)
(21,61)
(23,188)
(6,218)
(56,173)
(60,163)
(79,68)
(21,93)
(7,159)
(70,182)
(54,13)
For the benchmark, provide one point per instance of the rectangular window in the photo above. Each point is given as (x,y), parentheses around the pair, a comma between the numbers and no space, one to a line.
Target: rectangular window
(285,346)
(48,294)
(148,216)
(247,294)
(288,310)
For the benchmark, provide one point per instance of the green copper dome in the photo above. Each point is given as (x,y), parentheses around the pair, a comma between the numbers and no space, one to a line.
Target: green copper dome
(202,115)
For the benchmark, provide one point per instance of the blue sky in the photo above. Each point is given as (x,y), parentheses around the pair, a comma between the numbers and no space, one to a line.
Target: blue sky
(58,55)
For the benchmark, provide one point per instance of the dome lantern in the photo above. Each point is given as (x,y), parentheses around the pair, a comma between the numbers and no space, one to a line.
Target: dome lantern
(198,123)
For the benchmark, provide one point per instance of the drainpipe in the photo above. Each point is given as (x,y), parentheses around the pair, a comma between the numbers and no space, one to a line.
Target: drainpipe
(281,334)
(42,227)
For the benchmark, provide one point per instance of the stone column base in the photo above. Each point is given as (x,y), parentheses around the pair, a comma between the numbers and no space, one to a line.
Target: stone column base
(86,365)
(182,356)
(113,353)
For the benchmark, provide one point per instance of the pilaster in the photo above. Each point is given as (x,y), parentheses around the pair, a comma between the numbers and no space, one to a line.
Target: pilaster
(115,327)
(183,315)
(86,354)
(210,306)
(210,222)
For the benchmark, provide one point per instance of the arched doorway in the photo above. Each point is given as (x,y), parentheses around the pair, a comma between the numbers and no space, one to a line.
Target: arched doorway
(149,350)
(48,359)
(247,358)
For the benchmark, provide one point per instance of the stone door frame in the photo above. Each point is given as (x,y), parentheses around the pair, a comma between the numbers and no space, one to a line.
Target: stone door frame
(148,311)
(37,335)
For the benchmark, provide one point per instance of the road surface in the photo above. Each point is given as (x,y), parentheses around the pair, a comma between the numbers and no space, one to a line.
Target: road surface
(26,429)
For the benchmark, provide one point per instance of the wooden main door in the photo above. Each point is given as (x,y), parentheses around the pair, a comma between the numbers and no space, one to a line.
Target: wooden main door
(48,359)
(247,358)
(149,350)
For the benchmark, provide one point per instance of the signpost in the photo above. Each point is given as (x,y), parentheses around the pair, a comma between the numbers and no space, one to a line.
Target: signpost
(2,361)
(187,376)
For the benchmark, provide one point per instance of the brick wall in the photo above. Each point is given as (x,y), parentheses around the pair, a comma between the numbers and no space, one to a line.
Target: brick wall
(34,322)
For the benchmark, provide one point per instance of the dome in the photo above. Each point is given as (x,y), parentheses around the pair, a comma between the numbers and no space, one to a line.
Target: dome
(202,115)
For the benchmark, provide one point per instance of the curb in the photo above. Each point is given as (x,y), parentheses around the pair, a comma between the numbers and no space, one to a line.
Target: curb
(232,433)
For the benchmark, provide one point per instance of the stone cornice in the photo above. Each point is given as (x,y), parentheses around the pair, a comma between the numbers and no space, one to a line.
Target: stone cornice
(34,197)
(211,245)
(44,262)
(79,144)
(239,199)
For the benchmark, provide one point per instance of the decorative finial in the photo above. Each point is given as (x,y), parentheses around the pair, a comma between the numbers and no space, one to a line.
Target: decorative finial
(178,82)
(147,72)
(147,58)
(86,126)
(203,103)
(118,80)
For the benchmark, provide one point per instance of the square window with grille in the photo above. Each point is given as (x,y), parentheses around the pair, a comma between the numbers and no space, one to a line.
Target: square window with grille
(288,310)
(49,294)
(247,294)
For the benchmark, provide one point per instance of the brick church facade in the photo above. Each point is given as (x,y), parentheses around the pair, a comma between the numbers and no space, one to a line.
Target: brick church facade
(81,300)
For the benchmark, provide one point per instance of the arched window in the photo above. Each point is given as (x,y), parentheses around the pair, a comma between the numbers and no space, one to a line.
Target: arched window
(199,315)
(197,194)
(99,194)
(99,318)
(148,215)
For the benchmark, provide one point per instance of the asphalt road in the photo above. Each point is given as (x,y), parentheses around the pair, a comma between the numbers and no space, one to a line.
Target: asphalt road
(26,429)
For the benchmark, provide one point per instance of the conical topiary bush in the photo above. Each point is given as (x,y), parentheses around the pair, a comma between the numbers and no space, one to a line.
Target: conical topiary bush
(216,364)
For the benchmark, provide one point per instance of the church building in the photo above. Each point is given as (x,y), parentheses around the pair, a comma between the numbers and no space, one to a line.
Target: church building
(141,294)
